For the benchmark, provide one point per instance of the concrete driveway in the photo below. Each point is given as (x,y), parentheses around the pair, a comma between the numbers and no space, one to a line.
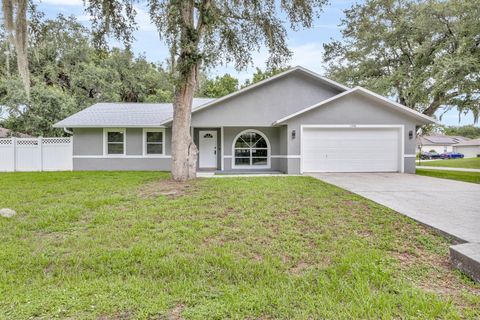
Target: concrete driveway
(452,207)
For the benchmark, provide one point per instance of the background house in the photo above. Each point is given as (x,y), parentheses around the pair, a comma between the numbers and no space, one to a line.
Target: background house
(438,143)
(470,148)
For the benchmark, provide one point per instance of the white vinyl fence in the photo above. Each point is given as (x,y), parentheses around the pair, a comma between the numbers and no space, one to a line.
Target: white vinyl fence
(35,154)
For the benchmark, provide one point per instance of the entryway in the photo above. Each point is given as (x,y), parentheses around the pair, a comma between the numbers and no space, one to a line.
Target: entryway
(207,146)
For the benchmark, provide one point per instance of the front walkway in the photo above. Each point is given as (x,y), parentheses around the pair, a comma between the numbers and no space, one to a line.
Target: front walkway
(452,207)
(449,169)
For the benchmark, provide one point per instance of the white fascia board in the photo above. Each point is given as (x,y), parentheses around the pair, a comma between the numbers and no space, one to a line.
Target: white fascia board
(368,93)
(106,126)
(398,105)
(321,103)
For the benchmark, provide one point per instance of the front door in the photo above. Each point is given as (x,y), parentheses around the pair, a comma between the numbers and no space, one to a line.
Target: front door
(208,149)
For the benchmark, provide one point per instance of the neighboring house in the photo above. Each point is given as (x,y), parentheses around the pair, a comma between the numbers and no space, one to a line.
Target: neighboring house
(7,133)
(438,143)
(470,148)
(294,122)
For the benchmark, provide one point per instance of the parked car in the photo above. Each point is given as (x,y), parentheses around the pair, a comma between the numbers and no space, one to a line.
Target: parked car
(429,155)
(451,155)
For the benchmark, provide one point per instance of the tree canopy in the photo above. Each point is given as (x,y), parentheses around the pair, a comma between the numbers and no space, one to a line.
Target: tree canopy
(217,87)
(68,74)
(424,53)
(471,132)
(205,33)
(260,75)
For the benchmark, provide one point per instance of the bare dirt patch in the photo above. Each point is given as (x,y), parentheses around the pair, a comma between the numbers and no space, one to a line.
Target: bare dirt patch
(441,280)
(176,313)
(169,188)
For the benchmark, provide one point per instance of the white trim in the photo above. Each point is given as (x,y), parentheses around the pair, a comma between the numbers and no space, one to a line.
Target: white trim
(122,157)
(227,157)
(260,83)
(409,155)
(144,142)
(365,91)
(221,149)
(401,127)
(269,149)
(60,125)
(105,142)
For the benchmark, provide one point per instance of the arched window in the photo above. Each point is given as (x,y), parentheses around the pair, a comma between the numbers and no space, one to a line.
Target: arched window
(251,148)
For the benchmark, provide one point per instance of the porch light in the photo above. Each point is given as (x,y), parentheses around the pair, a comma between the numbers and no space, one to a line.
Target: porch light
(410,134)
(293,134)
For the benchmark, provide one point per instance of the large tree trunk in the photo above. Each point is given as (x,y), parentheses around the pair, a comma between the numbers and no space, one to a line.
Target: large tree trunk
(184,150)
(16,28)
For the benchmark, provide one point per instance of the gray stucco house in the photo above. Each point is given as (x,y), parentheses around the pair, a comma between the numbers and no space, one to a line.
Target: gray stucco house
(294,122)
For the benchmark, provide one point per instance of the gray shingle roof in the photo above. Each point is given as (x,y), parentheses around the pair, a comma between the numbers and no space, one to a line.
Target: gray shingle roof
(474,142)
(440,140)
(123,115)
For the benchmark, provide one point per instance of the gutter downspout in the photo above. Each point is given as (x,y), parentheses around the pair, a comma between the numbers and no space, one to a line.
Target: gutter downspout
(68,131)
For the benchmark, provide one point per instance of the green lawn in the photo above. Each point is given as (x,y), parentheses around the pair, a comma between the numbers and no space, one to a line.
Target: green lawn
(470,163)
(473,177)
(134,245)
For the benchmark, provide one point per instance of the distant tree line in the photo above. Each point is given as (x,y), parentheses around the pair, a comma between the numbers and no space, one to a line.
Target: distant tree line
(469,131)
(425,54)
(68,74)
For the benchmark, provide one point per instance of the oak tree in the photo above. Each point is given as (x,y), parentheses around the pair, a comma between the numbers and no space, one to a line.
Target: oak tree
(424,53)
(205,33)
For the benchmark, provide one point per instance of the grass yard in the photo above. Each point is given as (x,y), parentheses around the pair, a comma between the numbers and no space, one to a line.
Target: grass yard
(133,245)
(469,163)
(473,177)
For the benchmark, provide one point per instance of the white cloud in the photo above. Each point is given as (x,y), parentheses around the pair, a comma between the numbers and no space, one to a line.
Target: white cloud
(308,55)
(62,2)
(142,18)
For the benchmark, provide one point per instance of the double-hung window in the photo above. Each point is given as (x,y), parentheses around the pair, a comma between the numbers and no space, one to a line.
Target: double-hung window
(115,142)
(153,142)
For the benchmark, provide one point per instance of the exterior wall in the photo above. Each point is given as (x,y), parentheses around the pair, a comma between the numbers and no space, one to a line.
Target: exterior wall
(351,109)
(88,152)
(134,141)
(88,142)
(277,146)
(263,105)
(119,164)
(468,151)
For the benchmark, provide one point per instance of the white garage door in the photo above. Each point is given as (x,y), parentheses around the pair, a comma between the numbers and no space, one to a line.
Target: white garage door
(351,149)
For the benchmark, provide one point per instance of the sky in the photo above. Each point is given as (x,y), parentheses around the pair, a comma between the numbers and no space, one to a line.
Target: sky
(306,45)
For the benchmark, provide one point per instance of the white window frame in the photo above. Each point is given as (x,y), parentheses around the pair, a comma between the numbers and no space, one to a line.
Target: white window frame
(144,143)
(269,151)
(105,142)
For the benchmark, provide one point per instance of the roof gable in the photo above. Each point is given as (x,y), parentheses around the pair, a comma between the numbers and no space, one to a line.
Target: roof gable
(298,69)
(367,93)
